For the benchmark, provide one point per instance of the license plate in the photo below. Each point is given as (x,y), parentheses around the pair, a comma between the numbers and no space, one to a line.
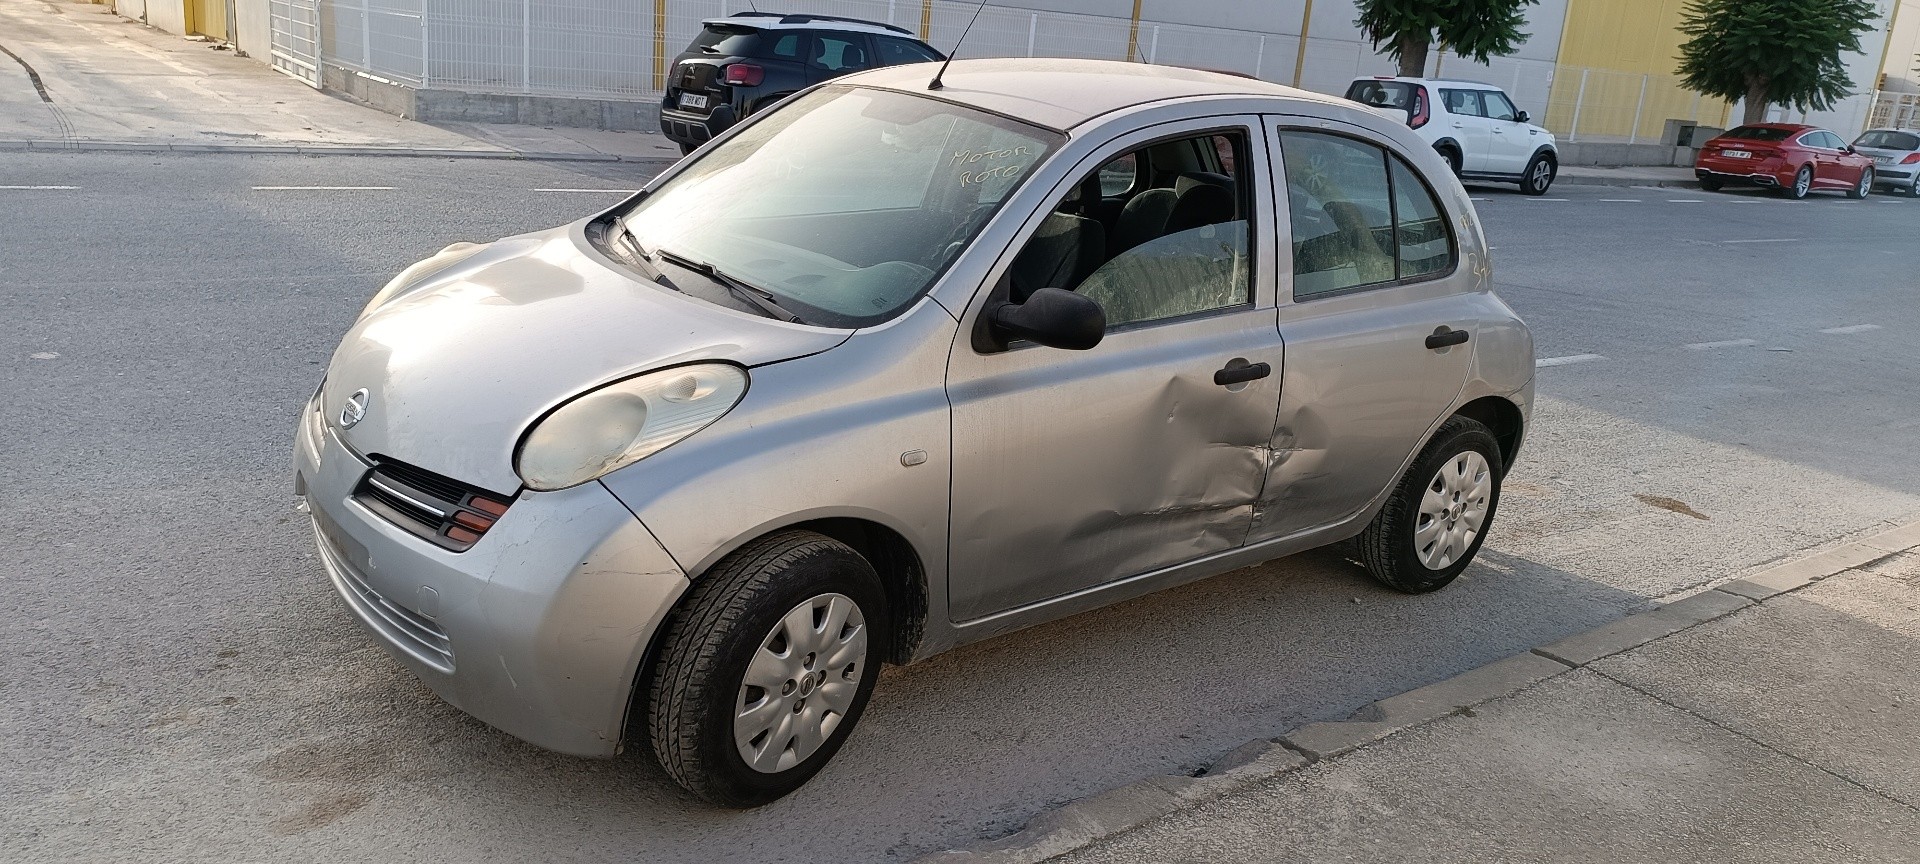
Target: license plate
(693,100)
(1883,160)
(1736,154)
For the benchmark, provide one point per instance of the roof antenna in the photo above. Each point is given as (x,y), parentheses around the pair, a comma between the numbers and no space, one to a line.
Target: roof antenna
(935,83)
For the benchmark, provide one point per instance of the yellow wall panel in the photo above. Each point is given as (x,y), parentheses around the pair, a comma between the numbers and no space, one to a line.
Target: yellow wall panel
(1617,46)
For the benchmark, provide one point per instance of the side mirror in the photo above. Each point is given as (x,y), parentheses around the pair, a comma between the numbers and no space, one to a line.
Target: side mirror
(1523,117)
(1053,317)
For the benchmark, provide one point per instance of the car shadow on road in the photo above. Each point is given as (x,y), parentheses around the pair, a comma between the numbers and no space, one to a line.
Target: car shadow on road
(968,745)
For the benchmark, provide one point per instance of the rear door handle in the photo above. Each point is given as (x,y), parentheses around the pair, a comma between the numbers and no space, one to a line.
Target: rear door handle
(1446,337)
(1241,374)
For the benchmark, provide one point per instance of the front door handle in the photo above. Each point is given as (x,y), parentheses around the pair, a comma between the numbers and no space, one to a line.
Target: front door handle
(1241,374)
(1446,337)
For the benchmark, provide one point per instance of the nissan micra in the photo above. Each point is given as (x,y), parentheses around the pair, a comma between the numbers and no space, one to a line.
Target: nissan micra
(897,366)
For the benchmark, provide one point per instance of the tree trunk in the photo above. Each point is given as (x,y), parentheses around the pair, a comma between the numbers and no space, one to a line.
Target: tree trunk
(1413,55)
(1756,111)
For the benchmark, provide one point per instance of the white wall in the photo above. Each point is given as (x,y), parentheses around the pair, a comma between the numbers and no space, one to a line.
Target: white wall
(1902,50)
(253,33)
(135,9)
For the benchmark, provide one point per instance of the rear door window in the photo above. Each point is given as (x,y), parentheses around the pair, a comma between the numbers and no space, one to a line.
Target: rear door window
(1361,216)
(839,52)
(1465,102)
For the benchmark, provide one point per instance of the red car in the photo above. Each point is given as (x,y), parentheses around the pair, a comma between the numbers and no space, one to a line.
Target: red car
(1787,156)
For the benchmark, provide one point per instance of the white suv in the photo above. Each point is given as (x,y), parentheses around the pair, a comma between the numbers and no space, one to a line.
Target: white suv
(1475,126)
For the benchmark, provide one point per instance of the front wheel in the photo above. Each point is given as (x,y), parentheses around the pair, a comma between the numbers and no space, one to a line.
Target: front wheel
(1438,514)
(1802,183)
(765,668)
(1538,176)
(1863,188)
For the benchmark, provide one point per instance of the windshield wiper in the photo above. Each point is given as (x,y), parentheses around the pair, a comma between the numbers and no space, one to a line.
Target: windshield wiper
(758,298)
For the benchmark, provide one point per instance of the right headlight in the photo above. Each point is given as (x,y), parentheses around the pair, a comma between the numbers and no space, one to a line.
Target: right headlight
(626,421)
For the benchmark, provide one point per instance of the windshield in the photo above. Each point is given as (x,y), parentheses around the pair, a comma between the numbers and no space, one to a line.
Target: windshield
(1886,140)
(846,204)
(1382,94)
(1759,133)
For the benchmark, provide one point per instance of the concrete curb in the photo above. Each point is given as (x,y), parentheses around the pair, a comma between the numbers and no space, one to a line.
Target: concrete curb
(1644,182)
(38,145)
(1089,820)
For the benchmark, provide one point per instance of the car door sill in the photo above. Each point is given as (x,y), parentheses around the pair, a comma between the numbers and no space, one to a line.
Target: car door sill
(1490,175)
(1108,593)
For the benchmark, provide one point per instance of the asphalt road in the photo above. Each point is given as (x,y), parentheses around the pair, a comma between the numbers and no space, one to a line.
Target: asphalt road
(177,682)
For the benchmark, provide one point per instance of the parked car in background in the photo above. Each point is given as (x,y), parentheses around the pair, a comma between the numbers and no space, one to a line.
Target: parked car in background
(1475,127)
(1896,158)
(1790,157)
(749,60)
(886,371)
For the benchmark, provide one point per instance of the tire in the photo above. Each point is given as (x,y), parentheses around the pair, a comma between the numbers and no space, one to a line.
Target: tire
(1390,547)
(737,616)
(1538,177)
(1913,189)
(1863,188)
(1453,158)
(1712,184)
(687,149)
(1802,183)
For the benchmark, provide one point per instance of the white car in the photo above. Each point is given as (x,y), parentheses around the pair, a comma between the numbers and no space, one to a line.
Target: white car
(1475,126)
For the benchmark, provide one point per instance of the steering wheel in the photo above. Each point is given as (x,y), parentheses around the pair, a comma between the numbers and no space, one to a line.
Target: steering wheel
(955,238)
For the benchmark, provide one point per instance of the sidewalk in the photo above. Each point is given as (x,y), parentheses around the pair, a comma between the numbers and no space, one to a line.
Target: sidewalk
(1773,718)
(114,84)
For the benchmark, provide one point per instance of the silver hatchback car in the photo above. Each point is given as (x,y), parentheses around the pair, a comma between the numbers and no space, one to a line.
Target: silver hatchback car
(892,368)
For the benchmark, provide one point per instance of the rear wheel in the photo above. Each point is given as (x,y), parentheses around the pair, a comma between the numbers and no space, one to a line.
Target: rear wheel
(1913,189)
(1439,513)
(1802,183)
(1863,188)
(1453,159)
(1539,175)
(766,667)
(1712,184)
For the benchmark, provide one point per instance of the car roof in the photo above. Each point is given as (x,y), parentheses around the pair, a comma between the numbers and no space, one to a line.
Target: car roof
(1790,127)
(1062,93)
(778,21)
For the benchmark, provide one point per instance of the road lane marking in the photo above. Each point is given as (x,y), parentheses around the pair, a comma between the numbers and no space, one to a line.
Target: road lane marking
(1686,201)
(1727,343)
(607,191)
(39,187)
(1566,361)
(1857,328)
(1620,200)
(322,188)
(1531,198)
(1776,240)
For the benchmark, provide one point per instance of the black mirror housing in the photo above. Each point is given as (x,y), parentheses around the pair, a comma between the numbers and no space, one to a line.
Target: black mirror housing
(1053,317)
(1523,117)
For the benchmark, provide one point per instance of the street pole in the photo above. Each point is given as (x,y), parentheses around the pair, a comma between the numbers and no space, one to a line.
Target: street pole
(926,20)
(1578,101)
(1133,34)
(660,45)
(1300,57)
(1633,134)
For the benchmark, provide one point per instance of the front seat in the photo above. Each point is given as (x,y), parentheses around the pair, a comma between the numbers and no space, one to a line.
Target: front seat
(1143,218)
(1062,253)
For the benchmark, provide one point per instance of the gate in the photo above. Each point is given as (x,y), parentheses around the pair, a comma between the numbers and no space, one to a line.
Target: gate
(296,38)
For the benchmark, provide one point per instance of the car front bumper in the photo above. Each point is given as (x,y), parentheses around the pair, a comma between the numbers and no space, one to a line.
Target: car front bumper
(538,630)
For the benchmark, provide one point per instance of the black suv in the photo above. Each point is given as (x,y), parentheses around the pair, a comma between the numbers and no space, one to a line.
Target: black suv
(745,62)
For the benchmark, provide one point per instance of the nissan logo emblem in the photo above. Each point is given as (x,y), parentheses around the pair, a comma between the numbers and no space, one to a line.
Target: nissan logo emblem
(355,409)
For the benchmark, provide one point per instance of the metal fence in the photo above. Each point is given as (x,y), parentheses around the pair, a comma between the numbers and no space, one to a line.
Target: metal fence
(619,49)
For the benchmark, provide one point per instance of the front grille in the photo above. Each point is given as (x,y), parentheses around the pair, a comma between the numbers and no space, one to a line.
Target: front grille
(441,510)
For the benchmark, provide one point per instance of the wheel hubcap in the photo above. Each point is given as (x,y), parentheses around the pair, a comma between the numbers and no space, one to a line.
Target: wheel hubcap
(800,683)
(1453,510)
(1801,182)
(1541,173)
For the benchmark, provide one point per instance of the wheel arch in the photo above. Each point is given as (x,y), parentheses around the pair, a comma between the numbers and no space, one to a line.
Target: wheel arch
(1546,151)
(1499,414)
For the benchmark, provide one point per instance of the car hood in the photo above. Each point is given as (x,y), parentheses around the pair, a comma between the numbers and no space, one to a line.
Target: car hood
(456,369)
